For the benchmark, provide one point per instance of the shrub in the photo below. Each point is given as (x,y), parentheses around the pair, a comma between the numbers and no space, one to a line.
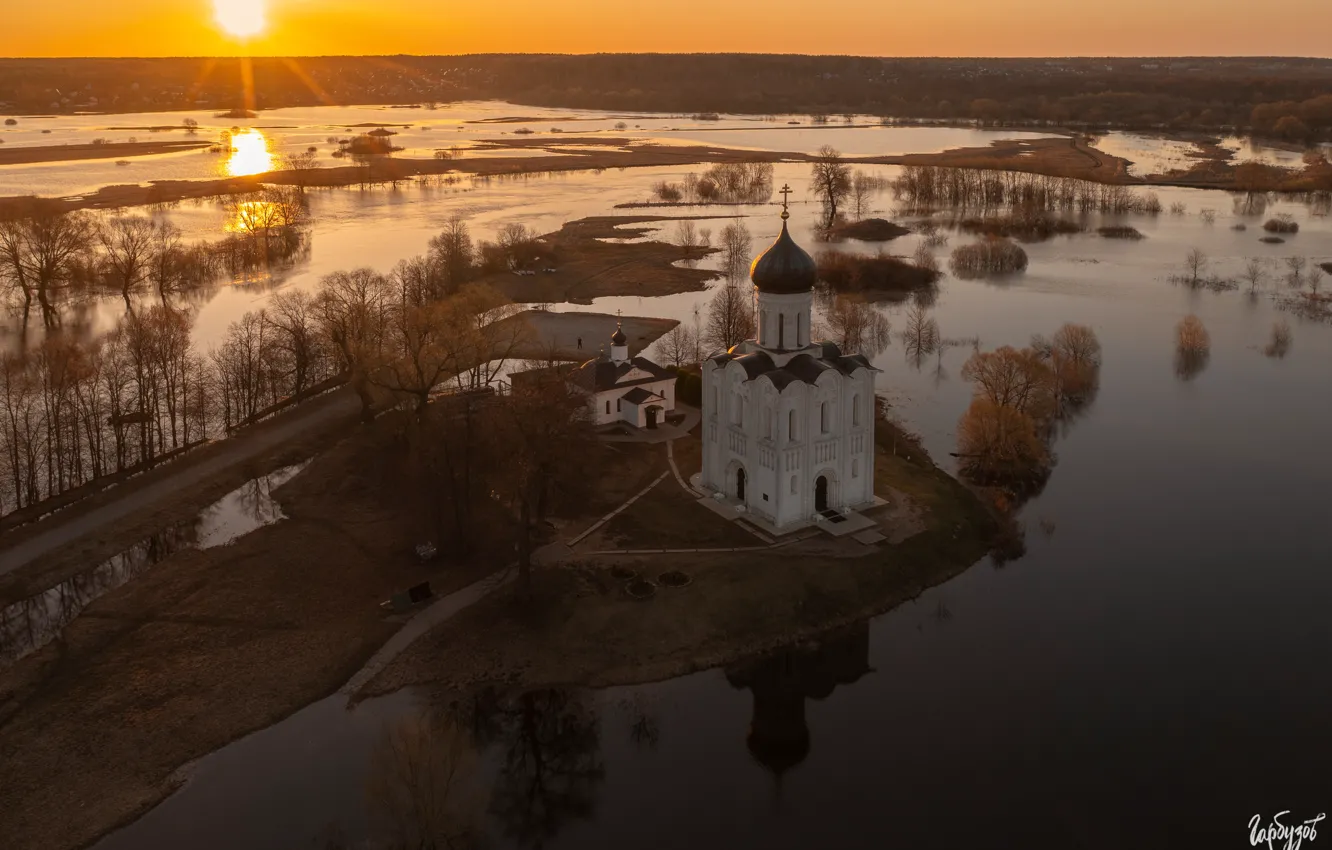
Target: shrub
(11,122)
(988,257)
(881,273)
(1271,240)
(1120,231)
(688,386)
(1281,224)
(1030,228)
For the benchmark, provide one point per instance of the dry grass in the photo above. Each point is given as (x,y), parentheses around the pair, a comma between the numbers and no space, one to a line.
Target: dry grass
(585,629)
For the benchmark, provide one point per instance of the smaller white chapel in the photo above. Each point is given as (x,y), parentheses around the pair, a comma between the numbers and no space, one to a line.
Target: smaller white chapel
(788,423)
(620,388)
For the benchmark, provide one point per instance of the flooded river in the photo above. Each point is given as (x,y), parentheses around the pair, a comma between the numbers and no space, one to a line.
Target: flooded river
(1148,674)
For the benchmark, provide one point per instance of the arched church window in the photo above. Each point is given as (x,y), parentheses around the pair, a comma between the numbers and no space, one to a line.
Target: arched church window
(823,417)
(799,330)
(855,409)
(781,330)
(791,425)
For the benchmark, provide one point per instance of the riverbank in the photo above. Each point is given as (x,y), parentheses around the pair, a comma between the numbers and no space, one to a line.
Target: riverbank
(584,629)
(206,646)
(17,155)
(591,267)
(1057,156)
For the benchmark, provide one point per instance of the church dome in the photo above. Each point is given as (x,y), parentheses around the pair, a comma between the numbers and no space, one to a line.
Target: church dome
(784,268)
(619,338)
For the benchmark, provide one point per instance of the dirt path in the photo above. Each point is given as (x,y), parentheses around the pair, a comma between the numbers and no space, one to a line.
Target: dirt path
(169,481)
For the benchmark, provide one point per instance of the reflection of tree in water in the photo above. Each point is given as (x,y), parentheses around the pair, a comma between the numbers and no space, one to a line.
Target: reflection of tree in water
(1190,362)
(551,741)
(781,683)
(424,789)
(30,624)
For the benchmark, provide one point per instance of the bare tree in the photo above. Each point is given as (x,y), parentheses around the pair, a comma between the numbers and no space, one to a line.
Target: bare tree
(41,247)
(857,326)
(127,251)
(730,318)
(679,347)
(1314,278)
(1255,272)
(301,165)
(686,235)
(295,334)
(862,190)
(831,179)
(350,311)
(1296,266)
(1195,265)
(735,241)
(921,335)
(546,429)
(453,255)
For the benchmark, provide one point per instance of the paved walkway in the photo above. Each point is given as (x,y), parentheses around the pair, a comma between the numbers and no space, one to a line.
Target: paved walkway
(76,521)
(417,626)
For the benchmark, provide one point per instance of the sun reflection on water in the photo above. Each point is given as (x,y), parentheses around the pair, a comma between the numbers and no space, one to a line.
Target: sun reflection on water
(249,154)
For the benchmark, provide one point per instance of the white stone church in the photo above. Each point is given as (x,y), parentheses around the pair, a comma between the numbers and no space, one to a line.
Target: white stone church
(788,423)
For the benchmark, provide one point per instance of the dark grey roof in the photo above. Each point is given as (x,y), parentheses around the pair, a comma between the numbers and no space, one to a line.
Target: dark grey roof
(638,395)
(756,363)
(603,374)
(851,362)
(781,378)
(785,267)
(830,351)
(806,368)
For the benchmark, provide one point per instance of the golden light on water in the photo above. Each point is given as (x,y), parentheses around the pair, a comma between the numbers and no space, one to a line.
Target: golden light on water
(251,217)
(249,154)
(240,18)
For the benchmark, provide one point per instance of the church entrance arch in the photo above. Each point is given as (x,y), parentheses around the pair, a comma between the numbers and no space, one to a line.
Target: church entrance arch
(821,493)
(740,483)
(652,413)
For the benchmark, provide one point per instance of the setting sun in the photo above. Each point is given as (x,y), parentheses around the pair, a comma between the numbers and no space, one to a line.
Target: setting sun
(240,18)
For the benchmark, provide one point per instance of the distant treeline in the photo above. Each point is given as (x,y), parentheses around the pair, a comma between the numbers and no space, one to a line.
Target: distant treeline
(1280,96)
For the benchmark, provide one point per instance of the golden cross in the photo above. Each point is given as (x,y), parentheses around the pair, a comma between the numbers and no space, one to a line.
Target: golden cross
(786,199)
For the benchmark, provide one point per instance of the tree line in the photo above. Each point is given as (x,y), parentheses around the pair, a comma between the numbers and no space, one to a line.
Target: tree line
(72,412)
(51,256)
(1188,93)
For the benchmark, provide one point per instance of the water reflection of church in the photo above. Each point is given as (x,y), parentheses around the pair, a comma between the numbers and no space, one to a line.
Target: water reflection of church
(781,683)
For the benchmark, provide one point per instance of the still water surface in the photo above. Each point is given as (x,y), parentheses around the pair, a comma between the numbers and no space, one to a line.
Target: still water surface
(1148,675)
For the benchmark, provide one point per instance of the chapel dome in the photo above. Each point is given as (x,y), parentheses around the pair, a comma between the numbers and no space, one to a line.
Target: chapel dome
(619,338)
(784,268)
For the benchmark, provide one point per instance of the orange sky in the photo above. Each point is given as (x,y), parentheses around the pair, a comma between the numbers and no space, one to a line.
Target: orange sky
(861,27)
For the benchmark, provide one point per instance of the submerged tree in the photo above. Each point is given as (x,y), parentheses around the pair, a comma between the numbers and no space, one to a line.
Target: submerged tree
(831,179)
(857,326)
(1192,348)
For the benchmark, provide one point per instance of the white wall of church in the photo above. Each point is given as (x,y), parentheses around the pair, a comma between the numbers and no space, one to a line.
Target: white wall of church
(607,408)
(785,441)
(784,320)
